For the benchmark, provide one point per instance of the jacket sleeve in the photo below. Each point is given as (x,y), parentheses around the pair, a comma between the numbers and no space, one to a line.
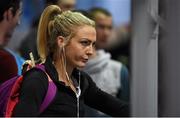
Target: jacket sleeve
(97,99)
(33,91)
(124,92)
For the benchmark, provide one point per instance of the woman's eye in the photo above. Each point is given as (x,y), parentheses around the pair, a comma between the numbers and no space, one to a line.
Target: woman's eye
(94,44)
(85,43)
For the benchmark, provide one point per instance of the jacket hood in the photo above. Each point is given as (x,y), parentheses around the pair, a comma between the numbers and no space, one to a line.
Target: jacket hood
(98,63)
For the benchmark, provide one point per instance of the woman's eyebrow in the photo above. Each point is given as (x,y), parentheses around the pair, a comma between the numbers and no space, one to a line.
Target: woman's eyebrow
(87,39)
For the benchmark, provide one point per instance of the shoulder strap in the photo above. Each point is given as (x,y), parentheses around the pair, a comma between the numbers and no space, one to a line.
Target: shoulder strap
(51,92)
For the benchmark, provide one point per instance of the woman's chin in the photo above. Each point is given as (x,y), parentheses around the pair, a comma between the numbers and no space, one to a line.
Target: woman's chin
(82,65)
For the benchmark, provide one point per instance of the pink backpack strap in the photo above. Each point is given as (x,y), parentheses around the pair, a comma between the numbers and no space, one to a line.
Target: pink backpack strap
(51,92)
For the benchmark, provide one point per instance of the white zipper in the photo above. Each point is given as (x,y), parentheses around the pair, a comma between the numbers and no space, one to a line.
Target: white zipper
(78,93)
(78,96)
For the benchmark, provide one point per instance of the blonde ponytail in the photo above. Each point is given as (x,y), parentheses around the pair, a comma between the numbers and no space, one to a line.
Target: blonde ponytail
(46,24)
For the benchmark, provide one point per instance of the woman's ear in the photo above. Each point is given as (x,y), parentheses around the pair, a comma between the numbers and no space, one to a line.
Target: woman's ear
(60,41)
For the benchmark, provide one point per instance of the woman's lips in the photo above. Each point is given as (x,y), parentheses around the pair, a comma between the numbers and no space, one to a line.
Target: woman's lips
(85,60)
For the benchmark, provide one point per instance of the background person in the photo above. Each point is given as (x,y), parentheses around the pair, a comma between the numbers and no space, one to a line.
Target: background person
(109,75)
(10,11)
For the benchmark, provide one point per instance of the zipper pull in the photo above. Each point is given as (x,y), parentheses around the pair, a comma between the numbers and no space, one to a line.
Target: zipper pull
(78,92)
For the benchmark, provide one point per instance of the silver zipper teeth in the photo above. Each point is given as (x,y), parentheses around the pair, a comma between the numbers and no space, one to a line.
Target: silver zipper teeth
(77,106)
(78,96)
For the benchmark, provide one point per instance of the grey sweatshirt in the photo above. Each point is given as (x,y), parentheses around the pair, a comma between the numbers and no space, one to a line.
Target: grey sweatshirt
(105,72)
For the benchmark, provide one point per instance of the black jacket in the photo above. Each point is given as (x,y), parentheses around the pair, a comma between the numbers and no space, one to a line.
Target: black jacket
(34,89)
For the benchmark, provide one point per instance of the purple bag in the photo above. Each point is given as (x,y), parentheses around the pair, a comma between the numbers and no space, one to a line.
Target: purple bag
(8,86)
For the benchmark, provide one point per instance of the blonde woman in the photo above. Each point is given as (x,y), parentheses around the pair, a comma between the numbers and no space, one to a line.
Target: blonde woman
(65,42)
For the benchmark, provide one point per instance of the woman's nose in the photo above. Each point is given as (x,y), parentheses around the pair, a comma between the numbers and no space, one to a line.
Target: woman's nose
(90,50)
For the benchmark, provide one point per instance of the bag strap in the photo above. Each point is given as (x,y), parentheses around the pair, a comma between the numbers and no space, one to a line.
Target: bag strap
(51,92)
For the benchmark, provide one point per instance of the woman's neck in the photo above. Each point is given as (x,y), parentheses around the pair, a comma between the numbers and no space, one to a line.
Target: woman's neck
(69,70)
(64,74)
(63,68)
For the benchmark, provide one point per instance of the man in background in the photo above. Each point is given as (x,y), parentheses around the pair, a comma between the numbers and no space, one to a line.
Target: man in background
(10,62)
(109,75)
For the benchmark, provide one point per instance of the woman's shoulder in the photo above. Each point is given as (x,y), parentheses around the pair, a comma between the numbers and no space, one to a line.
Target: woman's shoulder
(83,74)
(34,72)
(35,76)
(86,79)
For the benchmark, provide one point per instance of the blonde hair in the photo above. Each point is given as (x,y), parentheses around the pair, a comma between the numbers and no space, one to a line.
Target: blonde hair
(54,23)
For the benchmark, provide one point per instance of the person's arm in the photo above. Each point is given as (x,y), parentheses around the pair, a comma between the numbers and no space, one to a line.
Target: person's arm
(32,93)
(104,102)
